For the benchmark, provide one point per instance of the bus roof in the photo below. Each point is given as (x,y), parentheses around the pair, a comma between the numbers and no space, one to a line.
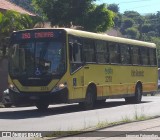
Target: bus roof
(109,38)
(100,37)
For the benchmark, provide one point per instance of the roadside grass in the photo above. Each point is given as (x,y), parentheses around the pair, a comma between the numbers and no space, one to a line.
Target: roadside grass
(101,125)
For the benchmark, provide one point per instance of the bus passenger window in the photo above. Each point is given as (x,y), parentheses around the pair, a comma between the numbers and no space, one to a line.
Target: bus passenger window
(114,53)
(102,54)
(152,56)
(75,53)
(89,50)
(135,55)
(125,54)
(144,56)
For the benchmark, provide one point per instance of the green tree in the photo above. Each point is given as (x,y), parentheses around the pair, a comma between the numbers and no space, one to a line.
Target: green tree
(80,12)
(128,23)
(146,28)
(12,21)
(157,22)
(118,16)
(113,7)
(156,40)
(132,33)
(118,20)
(131,14)
(104,16)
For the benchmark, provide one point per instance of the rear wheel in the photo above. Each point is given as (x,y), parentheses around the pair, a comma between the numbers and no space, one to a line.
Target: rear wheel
(153,94)
(89,99)
(138,96)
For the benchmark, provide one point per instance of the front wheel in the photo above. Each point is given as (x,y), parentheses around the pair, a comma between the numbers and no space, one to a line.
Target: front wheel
(42,106)
(7,105)
(6,101)
(89,100)
(101,101)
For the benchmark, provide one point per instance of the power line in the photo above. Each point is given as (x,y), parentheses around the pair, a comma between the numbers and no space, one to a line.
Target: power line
(128,1)
(133,1)
(142,6)
(133,8)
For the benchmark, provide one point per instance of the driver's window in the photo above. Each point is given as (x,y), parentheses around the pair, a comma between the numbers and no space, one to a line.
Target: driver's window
(75,52)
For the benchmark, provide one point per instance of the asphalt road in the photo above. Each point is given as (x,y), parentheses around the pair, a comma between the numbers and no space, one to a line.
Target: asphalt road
(72,117)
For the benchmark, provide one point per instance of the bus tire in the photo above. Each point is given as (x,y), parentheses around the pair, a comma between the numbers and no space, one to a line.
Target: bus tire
(137,98)
(42,106)
(153,94)
(138,94)
(89,99)
(129,100)
(6,103)
(101,101)
(144,94)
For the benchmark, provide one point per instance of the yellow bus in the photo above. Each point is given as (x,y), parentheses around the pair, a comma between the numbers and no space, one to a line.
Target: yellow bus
(48,66)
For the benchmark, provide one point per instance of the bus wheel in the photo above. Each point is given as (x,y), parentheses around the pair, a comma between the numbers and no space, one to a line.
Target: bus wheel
(42,106)
(153,94)
(89,100)
(6,103)
(138,96)
(101,101)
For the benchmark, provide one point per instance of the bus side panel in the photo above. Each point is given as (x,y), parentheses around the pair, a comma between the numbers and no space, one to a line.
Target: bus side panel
(120,80)
(111,80)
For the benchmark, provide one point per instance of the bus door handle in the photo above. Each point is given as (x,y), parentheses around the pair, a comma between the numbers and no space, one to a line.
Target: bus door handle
(86,67)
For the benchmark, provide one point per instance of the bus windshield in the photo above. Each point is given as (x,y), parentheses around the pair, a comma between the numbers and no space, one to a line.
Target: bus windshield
(37,58)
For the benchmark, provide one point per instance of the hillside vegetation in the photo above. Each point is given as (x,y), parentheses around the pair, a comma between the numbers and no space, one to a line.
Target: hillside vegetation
(85,13)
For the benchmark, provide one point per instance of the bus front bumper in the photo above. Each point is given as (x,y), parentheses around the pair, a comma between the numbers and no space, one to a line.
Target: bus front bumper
(27,98)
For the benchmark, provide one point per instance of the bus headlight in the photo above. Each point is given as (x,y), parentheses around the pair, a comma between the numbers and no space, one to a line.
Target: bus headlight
(12,87)
(60,87)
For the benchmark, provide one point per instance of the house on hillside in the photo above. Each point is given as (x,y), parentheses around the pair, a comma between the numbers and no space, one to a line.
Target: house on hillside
(6,5)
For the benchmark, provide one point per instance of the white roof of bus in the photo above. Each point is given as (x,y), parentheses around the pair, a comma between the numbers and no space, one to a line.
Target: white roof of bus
(102,37)
(109,38)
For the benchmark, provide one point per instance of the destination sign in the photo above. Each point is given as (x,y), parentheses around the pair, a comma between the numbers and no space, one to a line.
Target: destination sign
(37,34)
